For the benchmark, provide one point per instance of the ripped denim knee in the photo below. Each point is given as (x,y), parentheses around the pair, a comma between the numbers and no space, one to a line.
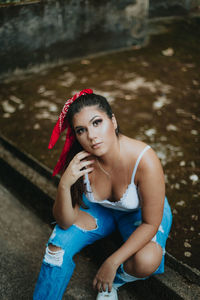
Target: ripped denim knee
(54,258)
(69,242)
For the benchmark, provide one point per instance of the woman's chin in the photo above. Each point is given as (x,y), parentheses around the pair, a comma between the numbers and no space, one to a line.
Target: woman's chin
(98,152)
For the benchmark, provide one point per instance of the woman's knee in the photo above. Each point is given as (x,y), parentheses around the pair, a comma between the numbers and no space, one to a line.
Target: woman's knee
(145,262)
(53,248)
(85,221)
(54,255)
(64,244)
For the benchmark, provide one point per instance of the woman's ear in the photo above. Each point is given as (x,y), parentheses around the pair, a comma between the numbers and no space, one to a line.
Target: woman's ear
(114,121)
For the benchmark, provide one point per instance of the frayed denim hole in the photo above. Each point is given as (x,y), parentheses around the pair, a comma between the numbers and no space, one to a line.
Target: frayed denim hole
(84,227)
(156,242)
(87,230)
(54,258)
(160,239)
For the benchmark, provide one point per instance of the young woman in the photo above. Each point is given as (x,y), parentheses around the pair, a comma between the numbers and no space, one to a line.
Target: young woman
(109,181)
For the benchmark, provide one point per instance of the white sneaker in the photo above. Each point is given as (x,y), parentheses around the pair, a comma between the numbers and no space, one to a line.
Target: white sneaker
(106,295)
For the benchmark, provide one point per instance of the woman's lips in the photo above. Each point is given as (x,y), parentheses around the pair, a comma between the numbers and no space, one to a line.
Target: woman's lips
(97,145)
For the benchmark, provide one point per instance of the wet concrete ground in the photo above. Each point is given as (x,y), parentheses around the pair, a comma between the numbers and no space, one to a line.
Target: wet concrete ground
(154,92)
(20,255)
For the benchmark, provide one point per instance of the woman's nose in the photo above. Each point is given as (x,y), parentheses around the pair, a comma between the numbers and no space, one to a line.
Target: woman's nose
(91,134)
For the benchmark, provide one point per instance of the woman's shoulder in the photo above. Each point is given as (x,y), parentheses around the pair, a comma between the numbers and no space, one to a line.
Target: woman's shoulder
(132,149)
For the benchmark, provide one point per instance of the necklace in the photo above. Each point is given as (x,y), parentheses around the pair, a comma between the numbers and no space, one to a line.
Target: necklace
(102,169)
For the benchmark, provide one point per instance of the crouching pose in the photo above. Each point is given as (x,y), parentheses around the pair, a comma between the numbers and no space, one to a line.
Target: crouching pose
(108,181)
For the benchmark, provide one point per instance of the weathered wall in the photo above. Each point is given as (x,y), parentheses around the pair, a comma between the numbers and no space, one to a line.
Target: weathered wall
(48,31)
(61,29)
(160,8)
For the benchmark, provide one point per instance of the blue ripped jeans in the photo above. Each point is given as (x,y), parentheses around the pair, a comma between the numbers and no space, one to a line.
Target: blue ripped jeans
(57,268)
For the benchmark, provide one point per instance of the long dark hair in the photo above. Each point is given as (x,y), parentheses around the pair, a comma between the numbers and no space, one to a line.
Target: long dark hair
(78,188)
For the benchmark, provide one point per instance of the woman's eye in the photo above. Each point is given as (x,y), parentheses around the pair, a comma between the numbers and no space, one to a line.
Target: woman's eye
(80,131)
(97,122)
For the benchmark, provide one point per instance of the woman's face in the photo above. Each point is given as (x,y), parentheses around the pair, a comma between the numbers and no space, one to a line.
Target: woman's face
(94,130)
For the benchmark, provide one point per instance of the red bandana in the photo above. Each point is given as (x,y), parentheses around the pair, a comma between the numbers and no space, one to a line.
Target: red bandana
(60,126)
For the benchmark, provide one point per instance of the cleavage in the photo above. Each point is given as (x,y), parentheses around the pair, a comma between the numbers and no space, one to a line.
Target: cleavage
(109,194)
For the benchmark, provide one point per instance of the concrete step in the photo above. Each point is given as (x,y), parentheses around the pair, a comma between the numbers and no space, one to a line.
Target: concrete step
(35,190)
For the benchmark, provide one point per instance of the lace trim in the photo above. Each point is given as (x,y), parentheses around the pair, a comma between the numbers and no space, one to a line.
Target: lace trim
(121,203)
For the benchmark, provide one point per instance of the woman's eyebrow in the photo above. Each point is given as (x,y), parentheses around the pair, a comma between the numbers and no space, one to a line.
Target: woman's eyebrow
(78,127)
(94,118)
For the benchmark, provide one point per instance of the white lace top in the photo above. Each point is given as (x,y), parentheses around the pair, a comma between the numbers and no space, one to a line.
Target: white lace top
(130,200)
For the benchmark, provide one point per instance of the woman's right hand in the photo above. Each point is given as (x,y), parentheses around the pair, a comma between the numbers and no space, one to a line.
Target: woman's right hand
(78,167)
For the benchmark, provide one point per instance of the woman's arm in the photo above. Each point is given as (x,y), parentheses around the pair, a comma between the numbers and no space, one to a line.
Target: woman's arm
(152,194)
(150,181)
(63,210)
(151,187)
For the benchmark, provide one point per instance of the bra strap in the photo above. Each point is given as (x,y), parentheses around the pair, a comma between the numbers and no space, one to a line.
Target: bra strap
(137,162)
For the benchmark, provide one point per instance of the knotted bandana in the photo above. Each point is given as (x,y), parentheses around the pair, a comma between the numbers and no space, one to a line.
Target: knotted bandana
(61,125)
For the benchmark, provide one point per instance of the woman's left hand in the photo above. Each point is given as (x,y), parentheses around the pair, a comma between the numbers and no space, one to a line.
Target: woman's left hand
(105,276)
